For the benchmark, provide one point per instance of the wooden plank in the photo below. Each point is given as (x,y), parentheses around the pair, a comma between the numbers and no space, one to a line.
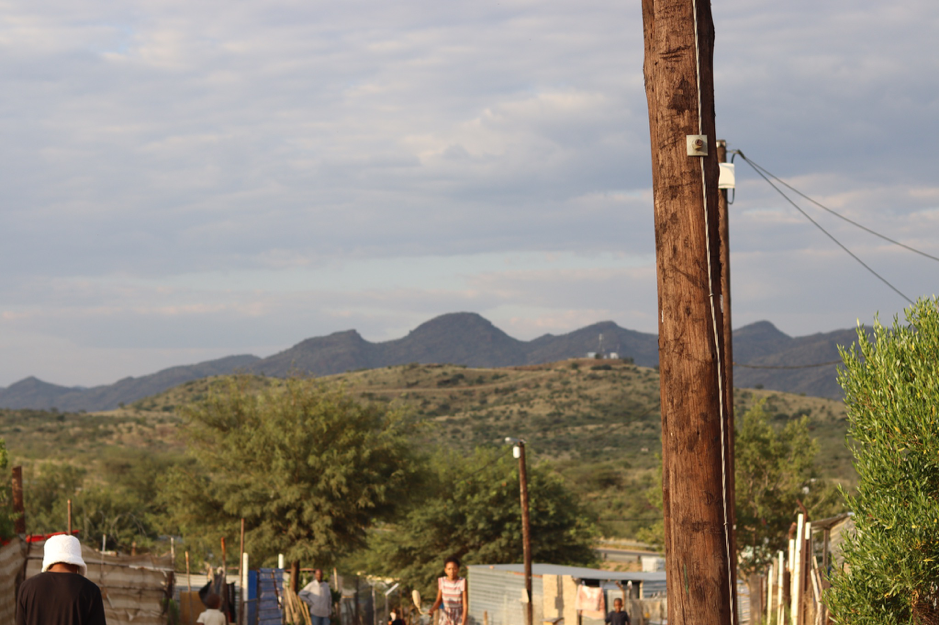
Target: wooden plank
(795,605)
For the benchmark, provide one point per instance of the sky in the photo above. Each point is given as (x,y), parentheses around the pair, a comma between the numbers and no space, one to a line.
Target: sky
(185,180)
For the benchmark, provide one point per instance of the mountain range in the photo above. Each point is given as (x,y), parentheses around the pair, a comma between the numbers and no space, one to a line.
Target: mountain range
(773,359)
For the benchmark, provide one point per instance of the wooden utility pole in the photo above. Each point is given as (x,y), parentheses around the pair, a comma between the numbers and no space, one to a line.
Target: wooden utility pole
(526,529)
(700,561)
(519,452)
(19,510)
(723,211)
(723,215)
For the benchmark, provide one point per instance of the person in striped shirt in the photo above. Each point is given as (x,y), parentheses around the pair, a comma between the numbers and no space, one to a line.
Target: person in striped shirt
(451,592)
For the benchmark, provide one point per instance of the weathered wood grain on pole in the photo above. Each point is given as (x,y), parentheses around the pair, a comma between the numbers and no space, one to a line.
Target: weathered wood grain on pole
(679,39)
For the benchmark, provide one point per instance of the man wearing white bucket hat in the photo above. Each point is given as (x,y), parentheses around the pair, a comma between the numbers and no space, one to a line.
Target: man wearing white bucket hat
(60,595)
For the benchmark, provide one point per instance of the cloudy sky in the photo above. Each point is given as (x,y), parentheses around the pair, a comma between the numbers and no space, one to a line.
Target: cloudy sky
(184,180)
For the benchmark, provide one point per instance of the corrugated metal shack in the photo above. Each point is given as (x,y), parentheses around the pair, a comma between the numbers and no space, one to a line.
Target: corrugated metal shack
(497,594)
(133,587)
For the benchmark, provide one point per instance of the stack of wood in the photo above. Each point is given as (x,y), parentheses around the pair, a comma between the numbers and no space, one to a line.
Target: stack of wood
(295,611)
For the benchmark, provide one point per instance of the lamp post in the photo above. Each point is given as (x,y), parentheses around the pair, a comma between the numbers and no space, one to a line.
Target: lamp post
(519,452)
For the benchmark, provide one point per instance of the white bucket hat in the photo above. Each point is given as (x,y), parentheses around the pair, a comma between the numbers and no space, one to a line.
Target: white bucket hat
(65,549)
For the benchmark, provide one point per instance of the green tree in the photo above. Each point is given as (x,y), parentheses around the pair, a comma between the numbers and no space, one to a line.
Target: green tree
(891,383)
(120,507)
(308,468)
(471,510)
(775,473)
(46,491)
(115,514)
(775,479)
(654,534)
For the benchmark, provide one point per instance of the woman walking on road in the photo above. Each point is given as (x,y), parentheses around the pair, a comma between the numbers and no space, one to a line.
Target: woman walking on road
(451,592)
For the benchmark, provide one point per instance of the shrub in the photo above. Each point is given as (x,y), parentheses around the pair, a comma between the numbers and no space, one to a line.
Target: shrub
(891,564)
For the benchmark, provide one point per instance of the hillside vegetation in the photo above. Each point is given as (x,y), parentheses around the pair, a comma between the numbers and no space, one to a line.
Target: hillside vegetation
(595,422)
(764,357)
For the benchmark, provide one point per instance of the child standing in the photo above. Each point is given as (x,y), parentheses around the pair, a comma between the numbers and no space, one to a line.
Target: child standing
(212,616)
(618,616)
(451,592)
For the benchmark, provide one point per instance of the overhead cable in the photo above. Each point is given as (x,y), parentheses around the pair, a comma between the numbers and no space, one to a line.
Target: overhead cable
(818,364)
(819,226)
(833,212)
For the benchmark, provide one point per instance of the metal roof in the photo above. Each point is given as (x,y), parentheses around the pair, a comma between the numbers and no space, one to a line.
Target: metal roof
(577,572)
(830,522)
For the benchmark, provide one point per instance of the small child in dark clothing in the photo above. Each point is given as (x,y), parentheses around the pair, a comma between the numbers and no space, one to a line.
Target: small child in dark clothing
(212,616)
(618,616)
(395,619)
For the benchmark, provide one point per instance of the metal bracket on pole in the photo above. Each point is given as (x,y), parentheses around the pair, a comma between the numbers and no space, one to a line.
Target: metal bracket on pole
(697,145)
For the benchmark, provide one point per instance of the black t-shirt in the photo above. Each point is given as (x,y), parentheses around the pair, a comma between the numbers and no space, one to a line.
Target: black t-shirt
(59,599)
(617,618)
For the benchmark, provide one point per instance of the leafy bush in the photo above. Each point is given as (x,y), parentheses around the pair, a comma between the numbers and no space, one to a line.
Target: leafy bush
(308,468)
(891,383)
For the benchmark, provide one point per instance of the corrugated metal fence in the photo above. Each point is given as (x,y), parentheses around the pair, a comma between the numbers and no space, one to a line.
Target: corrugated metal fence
(12,557)
(133,587)
(501,598)
(270,588)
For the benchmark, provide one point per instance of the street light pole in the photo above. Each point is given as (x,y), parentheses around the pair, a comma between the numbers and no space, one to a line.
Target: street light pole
(519,452)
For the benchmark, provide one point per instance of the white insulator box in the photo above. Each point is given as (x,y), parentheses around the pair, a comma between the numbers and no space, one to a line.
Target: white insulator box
(727,179)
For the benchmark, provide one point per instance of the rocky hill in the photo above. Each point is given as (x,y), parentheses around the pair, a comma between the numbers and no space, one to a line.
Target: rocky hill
(765,357)
(456,338)
(768,358)
(36,394)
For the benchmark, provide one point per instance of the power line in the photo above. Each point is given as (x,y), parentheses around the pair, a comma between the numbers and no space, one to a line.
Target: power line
(818,364)
(828,234)
(833,212)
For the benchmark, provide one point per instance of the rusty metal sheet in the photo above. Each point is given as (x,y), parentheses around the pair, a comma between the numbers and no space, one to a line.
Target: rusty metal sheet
(12,557)
(132,587)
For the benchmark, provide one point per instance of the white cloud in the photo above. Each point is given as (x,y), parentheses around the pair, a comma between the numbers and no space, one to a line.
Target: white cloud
(153,147)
